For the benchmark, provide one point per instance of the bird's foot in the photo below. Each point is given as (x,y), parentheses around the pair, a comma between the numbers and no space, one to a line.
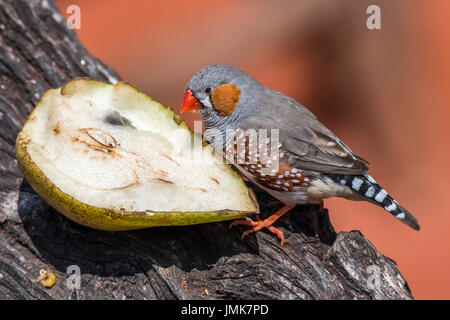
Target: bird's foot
(266,223)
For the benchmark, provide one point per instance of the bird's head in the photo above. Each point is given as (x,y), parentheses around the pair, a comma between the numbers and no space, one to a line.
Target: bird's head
(220,94)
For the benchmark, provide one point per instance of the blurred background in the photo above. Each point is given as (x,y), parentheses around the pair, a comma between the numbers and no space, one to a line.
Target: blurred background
(384,92)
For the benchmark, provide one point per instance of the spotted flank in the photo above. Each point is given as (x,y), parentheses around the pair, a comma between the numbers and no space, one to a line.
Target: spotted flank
(267,167)
(366,186)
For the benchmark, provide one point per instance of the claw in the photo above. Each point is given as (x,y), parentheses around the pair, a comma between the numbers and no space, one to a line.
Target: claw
(278,233)
(267,223)
(244,223)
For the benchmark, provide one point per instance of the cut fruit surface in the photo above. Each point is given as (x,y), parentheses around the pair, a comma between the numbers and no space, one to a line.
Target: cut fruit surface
(109,157)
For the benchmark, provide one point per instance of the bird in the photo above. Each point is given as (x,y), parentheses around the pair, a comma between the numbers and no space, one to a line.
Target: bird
(280,146)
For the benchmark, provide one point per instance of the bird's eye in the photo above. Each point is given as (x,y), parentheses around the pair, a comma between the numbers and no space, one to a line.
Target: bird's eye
(208,90)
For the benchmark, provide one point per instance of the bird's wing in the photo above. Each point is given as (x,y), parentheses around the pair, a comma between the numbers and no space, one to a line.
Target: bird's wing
(307,143)
(314,147)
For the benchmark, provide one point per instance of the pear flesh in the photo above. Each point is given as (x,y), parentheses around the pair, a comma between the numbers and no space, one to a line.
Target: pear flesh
(110,157)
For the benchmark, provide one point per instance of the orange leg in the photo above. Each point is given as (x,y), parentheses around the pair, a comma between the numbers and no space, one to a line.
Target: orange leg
(267,223)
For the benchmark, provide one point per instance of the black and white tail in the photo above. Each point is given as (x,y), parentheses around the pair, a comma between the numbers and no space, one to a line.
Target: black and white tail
(366,186)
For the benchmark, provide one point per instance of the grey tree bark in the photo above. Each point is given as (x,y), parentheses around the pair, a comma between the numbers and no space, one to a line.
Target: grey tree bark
(209,261)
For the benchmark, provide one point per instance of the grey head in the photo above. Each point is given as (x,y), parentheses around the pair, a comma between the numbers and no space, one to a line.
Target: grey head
(223,93)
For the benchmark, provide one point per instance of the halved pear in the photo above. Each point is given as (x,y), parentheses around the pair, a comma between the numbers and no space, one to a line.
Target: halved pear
(110,157)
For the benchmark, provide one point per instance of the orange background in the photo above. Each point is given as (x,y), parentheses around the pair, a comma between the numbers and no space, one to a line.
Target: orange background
(384,92)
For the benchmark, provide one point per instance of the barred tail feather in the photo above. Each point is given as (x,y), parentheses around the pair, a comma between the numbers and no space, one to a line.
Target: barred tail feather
(408,219)
(366,186)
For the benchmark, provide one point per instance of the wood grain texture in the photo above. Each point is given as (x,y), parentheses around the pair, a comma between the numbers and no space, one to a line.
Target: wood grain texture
(38,52)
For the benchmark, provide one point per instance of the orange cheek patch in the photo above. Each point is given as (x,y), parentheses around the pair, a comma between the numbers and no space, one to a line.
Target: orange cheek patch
(225,99)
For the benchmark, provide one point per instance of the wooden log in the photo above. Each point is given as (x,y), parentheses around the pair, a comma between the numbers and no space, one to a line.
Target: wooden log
(38,52)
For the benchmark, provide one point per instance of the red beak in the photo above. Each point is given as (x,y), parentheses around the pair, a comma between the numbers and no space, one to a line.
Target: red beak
(190,102)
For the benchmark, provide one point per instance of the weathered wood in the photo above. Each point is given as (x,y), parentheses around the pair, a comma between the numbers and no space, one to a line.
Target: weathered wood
(38,52)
